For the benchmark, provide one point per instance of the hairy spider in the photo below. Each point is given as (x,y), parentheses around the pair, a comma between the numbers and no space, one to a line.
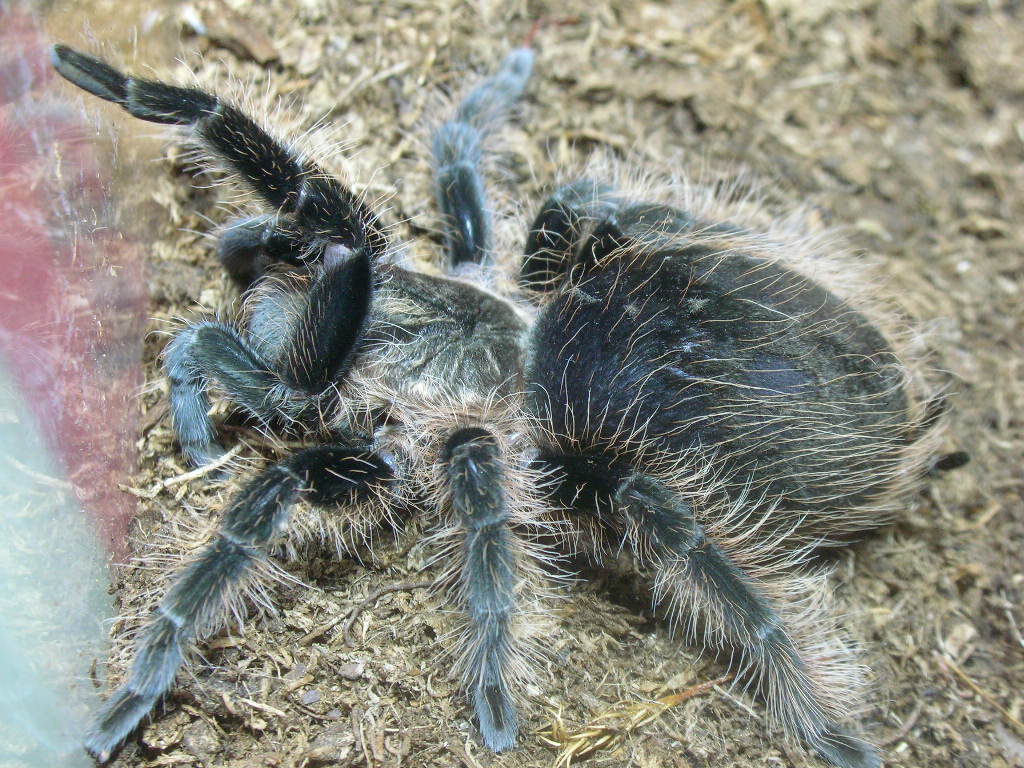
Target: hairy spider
(659,380)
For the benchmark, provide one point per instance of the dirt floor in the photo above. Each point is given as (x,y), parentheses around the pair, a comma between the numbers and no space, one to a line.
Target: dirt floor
(900,122)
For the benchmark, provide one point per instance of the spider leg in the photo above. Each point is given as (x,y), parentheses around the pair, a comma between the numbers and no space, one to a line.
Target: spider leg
(644,221)
(696,574)
(320,343)
(214,351)
(559,228)
(458,149)
(488,580)
(646,226)
(583,222)
(248,246)
(205,588)
(330,326)
(319,204)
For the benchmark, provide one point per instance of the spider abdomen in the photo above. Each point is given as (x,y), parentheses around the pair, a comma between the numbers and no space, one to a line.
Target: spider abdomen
(794,396)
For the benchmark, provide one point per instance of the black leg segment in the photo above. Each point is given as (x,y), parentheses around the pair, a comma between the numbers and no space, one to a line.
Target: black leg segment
(249,246)
(585,221)
(554,238)
(326,335)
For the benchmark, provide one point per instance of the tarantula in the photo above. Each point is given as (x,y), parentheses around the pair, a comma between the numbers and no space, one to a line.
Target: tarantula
(657,380)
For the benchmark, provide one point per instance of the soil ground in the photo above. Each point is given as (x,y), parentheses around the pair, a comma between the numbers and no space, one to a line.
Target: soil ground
(900,122)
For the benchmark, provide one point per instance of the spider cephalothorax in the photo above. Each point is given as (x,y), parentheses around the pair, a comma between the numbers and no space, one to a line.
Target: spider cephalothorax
(662,381)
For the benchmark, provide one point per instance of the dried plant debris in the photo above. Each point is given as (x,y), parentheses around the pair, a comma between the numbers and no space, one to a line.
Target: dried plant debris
(608,730)
(898,122)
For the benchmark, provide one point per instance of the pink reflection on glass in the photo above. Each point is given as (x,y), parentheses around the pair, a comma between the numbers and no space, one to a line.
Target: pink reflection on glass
(72,291)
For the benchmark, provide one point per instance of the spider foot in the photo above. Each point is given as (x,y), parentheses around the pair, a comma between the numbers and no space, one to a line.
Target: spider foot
(841,749)
(499,724)
(203,454)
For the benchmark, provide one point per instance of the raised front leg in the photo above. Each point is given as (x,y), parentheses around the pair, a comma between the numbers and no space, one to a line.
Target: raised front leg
(319,204)
(318,343)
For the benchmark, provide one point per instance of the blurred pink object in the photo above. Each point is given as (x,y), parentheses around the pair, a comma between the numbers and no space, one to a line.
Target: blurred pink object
(72,302)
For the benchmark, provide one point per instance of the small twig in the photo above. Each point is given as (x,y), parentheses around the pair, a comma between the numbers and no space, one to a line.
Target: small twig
(460,751)
(950,664)
(263,707)
(905,728)
(170,482)
(983,519)
(368,79)
(738,703)
(1013,627)
(315,715)
(350,616)
(296,684)
(552,21)
(372,598)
